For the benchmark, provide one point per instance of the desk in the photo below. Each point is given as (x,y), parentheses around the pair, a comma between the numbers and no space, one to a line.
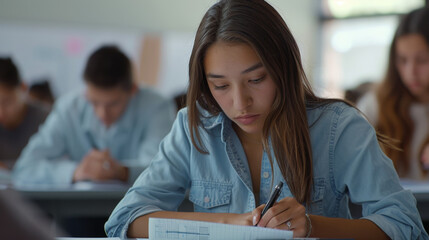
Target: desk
(83,199)
(88,199)
(79,209)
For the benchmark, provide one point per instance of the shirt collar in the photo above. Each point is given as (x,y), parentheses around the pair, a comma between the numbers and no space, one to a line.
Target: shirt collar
(91,123)
(210,122)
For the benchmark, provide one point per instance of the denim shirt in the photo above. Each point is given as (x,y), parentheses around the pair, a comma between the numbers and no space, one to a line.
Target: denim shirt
(72,130)
(348,165)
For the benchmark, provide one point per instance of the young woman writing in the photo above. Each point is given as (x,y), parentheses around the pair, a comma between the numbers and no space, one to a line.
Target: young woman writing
(252,120)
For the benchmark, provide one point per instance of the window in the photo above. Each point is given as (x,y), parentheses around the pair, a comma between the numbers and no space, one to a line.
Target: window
(355,40)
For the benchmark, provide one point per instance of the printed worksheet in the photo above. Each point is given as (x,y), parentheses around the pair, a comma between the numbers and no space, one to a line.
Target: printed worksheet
(166,229)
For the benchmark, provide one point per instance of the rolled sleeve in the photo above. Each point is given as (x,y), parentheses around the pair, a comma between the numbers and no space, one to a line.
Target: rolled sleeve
(45,159)
(120,230)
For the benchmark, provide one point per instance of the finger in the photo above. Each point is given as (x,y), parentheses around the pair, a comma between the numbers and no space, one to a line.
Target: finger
(295,212)
(99,154)
(90,155)
(107,151)
(256,213)
(258,209)
(283,211)
(291,219)
(276,209)
(278,217)
(297,225)
(289,225)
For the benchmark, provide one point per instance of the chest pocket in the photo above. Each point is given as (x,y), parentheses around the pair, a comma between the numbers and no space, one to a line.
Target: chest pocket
(210,196)
(316,206)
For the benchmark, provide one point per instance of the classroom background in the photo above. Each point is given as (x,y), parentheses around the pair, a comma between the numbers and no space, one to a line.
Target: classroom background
(343,43)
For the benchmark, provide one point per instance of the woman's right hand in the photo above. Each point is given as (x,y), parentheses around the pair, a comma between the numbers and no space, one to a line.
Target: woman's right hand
(287,214)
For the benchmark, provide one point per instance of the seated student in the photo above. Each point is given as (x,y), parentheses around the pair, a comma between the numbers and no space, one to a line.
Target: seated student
(41,91)
(354,94)
(251,120)
(404,95)
(19,117)
(111,131)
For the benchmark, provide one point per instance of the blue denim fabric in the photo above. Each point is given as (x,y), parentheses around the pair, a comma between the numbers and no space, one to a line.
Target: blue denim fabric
(347,161)
(72,129)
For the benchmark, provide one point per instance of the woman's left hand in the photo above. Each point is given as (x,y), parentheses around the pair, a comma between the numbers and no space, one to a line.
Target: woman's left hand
(287,214)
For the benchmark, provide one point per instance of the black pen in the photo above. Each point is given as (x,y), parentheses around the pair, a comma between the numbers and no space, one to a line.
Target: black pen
(273,198)
(91,141)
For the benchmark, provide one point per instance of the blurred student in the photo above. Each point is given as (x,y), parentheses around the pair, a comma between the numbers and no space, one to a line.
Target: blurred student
(110,131)
(19,117)
(399,108)
(354,94)
(41,91)
(251,120)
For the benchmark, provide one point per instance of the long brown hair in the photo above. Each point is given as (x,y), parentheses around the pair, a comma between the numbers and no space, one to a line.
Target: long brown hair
(257,24)
(395,99)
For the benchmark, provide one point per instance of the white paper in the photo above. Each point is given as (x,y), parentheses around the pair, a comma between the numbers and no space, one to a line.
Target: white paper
(73,238)
(166,229)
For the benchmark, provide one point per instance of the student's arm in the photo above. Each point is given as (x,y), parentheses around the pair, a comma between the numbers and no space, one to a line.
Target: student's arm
(324,227)
(288,209)
(45,159)
(361,170)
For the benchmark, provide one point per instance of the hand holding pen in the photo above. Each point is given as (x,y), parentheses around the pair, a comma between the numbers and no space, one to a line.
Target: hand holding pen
(98,165)
(287,214)
(273,198)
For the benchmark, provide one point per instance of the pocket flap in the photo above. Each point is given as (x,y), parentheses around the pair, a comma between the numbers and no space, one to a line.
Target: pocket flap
(210,194)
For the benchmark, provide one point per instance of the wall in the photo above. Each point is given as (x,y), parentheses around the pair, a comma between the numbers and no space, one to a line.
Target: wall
(70,26)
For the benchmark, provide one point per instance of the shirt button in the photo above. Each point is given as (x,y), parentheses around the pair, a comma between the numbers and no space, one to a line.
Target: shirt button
(266,174)
(206,199)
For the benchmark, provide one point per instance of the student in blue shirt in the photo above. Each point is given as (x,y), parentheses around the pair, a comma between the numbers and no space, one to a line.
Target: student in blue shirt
(252,120)
(110,131)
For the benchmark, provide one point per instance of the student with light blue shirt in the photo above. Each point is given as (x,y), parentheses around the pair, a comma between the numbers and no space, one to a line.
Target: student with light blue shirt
(251,121)
(110,131)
